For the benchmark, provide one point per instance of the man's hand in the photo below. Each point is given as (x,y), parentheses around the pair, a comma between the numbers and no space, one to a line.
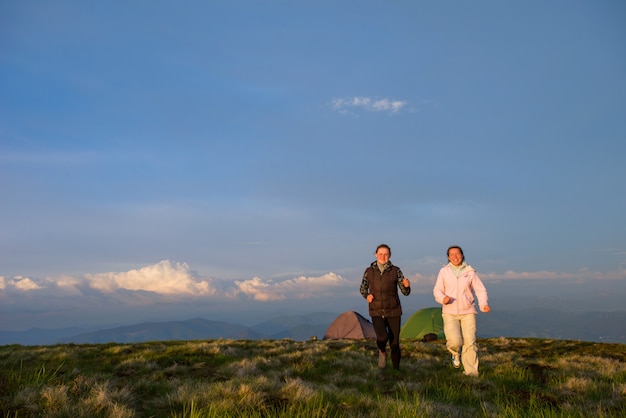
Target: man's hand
(406,282)
(370,298)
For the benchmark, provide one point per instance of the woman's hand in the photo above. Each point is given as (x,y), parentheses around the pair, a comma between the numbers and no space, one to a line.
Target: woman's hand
(446,300)
(486,308)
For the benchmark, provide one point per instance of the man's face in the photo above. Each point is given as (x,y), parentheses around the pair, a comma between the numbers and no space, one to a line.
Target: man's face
(455,256)
(382,255)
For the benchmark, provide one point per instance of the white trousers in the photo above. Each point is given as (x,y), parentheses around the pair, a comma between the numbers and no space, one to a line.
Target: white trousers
(460,333)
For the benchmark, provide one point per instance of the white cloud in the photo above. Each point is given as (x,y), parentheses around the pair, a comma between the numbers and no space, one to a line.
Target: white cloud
(424,283)
(297,288)
(174,282)
(70,285)
(18,283)
(164,281)
(582,274)
(170,281)
(259,290)
(343,105)
(421,283)
(542,274)
(164,278)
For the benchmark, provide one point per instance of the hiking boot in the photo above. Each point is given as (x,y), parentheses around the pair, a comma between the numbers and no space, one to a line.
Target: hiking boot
(382,359)
(456,361)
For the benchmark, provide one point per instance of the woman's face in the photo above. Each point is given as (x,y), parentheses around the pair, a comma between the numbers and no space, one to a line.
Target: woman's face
(382,255)
(455,256)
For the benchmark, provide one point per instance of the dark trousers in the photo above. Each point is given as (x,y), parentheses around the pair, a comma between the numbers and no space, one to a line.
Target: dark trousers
(388,330)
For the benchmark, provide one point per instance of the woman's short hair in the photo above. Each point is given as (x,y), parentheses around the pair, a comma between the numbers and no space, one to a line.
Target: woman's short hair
(383,246)
(458,248)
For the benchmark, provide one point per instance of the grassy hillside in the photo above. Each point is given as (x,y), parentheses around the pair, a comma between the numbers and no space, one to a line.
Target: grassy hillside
(286,378)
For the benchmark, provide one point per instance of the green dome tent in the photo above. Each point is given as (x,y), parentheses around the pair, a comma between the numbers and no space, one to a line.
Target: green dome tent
(422,322)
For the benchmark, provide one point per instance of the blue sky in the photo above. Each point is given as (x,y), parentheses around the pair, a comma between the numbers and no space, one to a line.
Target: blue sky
(257,151)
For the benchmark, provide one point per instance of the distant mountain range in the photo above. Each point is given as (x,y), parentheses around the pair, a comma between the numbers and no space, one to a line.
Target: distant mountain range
(192,329)
(554,324)
(297,327)
(551,324)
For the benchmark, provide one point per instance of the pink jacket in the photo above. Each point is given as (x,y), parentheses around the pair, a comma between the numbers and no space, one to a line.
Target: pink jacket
(461,290)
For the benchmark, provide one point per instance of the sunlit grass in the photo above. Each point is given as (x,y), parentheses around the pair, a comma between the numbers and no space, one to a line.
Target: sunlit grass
(285,378)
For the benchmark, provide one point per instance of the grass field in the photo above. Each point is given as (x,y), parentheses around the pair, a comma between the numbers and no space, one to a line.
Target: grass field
(286,378)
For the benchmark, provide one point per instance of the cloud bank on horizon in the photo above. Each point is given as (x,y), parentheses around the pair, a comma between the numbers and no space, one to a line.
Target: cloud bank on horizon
(173,288)
(169,280)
